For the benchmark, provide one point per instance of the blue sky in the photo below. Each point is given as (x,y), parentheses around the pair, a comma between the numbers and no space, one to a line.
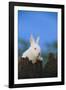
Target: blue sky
(37,23)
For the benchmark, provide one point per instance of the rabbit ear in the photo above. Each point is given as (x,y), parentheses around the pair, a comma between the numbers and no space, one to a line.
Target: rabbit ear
(32,40)
(37,40)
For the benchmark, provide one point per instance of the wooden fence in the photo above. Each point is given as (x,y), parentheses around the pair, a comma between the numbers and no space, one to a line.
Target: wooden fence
(28,70)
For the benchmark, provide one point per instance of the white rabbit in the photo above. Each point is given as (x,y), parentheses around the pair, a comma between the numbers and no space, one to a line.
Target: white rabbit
(34,51)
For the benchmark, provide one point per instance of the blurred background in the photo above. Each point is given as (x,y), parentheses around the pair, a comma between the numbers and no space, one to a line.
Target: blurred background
(44,25)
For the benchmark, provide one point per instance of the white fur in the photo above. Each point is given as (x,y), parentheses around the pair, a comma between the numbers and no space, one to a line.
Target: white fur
(33,51)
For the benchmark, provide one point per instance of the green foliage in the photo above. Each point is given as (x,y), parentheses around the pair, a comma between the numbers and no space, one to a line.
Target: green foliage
(23,46)
(52,47)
